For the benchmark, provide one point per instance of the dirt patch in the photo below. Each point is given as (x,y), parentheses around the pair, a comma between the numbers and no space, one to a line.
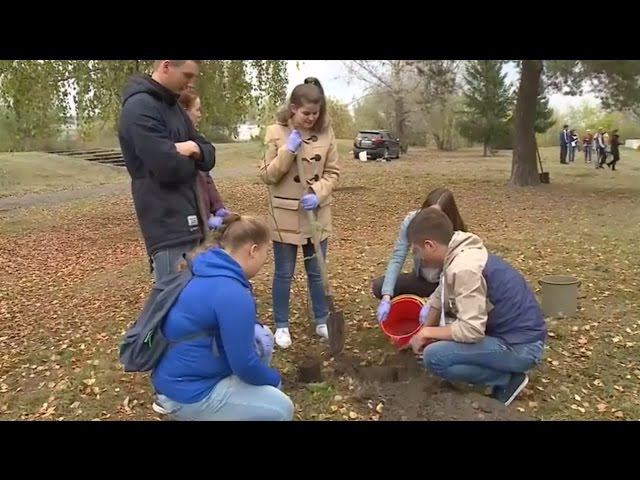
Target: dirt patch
(310,370)
(409,393)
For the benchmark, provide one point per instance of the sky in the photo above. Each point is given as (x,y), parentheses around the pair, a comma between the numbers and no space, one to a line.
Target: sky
(338,84)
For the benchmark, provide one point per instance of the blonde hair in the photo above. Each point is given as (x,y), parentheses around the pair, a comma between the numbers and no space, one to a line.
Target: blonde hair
(235,232)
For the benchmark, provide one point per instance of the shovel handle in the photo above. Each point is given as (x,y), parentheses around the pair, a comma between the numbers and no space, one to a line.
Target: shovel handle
(315,238)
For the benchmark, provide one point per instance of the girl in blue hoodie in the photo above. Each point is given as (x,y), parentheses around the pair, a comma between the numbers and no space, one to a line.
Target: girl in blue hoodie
(221,376)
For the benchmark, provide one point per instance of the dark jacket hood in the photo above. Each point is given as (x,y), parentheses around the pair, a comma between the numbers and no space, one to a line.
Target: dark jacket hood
(145,84)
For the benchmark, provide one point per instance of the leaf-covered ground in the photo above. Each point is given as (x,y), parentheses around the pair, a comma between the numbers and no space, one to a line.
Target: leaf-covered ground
(74,276)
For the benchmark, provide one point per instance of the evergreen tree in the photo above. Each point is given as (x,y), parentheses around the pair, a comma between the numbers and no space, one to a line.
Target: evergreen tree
(487,102)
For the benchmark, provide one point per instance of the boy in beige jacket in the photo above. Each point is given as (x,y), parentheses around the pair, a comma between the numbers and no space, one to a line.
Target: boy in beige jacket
(498,331)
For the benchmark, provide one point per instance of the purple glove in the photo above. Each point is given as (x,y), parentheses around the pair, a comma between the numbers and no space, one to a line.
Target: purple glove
(309,201)
(263,341)
(424,312)
(294,141)
(383,310)
(222,212)
(214,222)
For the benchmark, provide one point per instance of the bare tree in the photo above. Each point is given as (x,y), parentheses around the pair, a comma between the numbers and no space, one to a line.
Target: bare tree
(394,77)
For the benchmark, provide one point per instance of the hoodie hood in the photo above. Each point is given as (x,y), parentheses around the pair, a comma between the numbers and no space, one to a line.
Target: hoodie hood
(216,262)
(145,84)
(460,242)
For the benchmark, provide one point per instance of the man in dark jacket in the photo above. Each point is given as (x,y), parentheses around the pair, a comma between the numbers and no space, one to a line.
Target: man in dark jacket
(163,154)
(564,144)
(615,150)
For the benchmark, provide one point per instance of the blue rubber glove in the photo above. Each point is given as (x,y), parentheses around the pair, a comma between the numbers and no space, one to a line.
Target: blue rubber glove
(214,222)
(263,340)
(383,310)
(222,212)
(309,201)
(424,312)
(294,141)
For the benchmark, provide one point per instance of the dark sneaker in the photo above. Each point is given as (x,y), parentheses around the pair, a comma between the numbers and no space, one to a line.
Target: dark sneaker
(509,393)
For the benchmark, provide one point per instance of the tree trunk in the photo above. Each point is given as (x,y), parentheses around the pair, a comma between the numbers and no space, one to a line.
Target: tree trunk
(399,118)
(524,167)
(398,94)
(486,146)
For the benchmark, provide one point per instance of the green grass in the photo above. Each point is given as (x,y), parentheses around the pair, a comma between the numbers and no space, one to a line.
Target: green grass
(32,172)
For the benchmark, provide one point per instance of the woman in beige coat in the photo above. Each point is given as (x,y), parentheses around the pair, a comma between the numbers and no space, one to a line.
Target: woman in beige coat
(303,130)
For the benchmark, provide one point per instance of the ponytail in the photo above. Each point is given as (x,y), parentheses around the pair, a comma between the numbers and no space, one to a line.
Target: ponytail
(235,232)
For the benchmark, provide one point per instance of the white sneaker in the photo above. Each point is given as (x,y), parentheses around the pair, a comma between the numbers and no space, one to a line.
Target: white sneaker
(160,409)
(322,331)
(283,337)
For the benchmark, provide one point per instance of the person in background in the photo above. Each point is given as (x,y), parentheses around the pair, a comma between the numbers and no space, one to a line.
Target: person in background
(615,150)
(573,145)
(422,281)
(587,144)
(564,144)
(602,148)
(212,209)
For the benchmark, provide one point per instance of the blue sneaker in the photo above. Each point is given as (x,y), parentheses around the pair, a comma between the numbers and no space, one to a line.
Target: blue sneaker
(509,393)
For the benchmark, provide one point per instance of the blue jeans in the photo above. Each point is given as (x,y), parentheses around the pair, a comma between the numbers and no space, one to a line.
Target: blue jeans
(234,400)
(166,260)
(285,264)
(489,362)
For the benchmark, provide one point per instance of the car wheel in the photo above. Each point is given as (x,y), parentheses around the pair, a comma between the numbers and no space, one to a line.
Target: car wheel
(387,155)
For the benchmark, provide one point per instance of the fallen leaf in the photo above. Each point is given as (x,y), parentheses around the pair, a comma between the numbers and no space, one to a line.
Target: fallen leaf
(618,414)
(577,397)
(89,381)
(602,407)
(353,415)
(379,408)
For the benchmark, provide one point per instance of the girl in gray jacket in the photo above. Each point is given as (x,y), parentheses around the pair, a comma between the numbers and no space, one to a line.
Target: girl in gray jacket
(422,281)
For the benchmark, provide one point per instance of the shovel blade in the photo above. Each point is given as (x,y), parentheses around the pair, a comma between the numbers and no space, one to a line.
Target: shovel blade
(335,325)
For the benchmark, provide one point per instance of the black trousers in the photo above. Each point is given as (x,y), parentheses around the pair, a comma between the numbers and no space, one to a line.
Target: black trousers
(563,154)
(407,284)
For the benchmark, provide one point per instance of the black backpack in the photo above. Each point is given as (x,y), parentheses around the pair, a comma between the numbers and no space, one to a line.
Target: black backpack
(144,343)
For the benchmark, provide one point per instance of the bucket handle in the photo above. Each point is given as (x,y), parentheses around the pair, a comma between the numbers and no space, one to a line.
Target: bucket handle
(578,283)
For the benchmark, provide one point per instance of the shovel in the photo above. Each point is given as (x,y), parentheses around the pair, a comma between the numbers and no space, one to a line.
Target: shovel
(335,323)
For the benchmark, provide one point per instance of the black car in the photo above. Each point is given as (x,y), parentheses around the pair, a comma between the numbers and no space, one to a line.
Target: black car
(377,144)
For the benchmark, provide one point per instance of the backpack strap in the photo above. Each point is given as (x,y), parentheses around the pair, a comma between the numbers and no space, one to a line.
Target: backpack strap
(209,333)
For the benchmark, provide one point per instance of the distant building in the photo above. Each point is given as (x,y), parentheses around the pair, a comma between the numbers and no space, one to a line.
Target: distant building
(247,131)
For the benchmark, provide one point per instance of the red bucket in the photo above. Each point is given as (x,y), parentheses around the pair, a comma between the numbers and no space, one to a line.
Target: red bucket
(403,321)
